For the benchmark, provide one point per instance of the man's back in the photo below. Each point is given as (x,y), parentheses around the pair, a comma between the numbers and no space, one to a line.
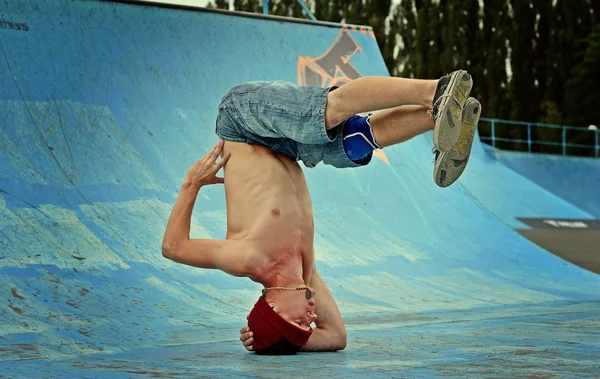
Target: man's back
(268,204)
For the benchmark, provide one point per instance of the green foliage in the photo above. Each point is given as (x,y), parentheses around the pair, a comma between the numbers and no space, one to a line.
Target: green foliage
(404,26)
(219,4)
(582,95)
(522,89)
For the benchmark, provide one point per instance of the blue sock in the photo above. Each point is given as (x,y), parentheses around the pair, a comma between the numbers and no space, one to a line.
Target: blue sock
(358,138)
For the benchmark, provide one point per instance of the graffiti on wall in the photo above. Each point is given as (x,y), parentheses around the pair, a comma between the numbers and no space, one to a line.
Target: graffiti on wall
(334,67)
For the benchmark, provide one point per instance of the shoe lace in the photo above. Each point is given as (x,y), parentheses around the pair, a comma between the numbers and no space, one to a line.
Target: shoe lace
(433,112)
(436,153)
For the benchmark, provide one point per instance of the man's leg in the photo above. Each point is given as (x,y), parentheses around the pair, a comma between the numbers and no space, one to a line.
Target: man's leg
(445,97)
(392,126)
(371,93)
(399,124)
(362,135)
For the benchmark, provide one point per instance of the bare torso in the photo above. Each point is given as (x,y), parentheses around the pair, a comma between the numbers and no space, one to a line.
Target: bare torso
(268,204)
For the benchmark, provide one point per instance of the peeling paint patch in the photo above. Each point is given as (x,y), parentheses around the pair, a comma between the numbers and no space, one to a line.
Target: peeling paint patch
(15,309)
(16,295)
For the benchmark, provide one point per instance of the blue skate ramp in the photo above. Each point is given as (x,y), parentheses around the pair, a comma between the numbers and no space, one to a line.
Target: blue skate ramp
(513,195)
(104,107)
(577,180)
(554,200)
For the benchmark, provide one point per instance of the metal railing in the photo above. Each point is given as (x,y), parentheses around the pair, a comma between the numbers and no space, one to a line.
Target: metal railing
(531,137)
(308,12)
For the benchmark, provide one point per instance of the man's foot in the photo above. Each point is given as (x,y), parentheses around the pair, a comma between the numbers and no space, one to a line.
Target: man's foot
(450,166)
(448,102)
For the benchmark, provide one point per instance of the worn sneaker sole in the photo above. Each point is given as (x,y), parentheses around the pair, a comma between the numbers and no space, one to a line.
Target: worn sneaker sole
(449,116)
(450,166)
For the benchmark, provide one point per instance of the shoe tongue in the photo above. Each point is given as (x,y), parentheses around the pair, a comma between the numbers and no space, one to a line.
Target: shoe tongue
(441,87)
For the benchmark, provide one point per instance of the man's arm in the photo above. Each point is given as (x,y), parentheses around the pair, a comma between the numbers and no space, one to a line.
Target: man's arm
(226,255)
(330,332)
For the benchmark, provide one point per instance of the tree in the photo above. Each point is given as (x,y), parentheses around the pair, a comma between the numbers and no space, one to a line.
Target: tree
(473,47)
(405,23)
(219,4)
(422,36)
(582,90)
(493,84)
(570,22)
(379,11)
(523,91)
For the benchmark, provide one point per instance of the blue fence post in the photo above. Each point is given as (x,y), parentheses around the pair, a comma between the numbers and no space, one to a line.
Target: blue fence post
(529,137)
(265,6)
(564,140)
(308,12)
(493,133)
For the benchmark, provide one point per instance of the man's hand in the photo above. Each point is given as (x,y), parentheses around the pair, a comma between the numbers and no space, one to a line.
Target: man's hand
(247,338)
(204,171)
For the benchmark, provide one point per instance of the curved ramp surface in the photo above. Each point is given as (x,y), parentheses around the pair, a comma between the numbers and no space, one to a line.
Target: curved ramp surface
(105,105)
(557,202)
(577,180)
(510,195)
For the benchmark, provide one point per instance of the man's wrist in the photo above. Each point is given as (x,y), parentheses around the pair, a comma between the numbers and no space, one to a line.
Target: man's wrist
(189,184)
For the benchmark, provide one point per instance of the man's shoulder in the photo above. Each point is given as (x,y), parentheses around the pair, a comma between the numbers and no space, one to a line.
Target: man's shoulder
(245,255)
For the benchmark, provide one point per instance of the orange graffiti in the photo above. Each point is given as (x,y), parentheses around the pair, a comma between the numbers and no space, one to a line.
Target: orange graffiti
(334,67)
(381,155)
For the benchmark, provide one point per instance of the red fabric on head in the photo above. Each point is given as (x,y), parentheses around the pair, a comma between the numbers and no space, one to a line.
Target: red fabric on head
(269,327)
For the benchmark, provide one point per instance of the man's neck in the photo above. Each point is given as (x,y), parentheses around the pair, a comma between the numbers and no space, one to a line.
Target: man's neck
(274,292)
(282,279)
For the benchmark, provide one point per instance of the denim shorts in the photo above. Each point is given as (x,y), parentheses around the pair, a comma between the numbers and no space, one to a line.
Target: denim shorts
(284,117)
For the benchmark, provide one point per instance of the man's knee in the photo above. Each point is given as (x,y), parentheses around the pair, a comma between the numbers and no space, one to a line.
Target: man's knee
(358,138)
(334,111)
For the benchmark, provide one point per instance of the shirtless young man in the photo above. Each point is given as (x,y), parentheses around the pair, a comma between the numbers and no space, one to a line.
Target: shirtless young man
(265,129)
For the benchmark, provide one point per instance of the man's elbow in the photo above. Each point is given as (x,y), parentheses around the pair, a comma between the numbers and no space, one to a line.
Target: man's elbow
(169,249)
(338,339)
(342,340)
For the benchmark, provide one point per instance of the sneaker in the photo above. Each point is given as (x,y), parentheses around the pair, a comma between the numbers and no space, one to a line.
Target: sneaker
(448,102)
(450,166)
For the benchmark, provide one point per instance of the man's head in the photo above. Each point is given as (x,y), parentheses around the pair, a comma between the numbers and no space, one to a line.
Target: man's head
(281,321)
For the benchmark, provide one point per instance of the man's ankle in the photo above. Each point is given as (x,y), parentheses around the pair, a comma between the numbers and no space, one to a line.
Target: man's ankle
(431,93)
